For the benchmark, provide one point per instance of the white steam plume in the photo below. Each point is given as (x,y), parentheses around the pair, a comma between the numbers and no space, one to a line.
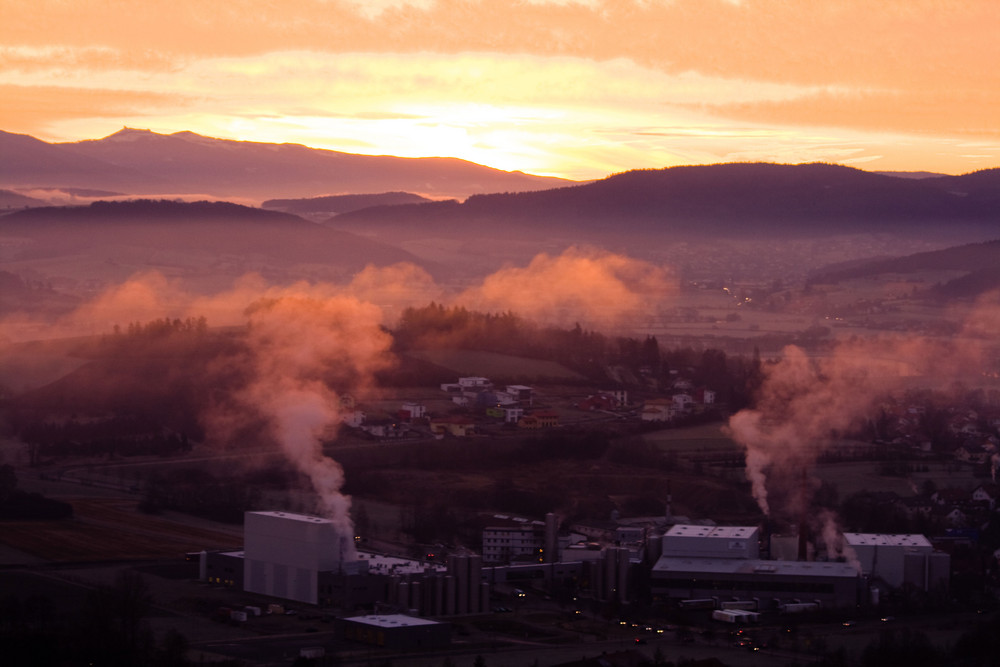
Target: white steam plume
(300,348)
(804,402)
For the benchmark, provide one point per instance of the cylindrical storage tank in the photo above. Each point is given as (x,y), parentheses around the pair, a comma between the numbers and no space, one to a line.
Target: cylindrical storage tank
(449,595)
(623,567)
(438,595)
(462,585)
(654,548)
(475,577)
(415,595)
(393,593)
(203,566)
(484,597)
(403,595)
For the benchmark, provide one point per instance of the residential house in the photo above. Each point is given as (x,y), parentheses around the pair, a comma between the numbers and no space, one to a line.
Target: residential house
(512,415)
(539,419)
(657,410)
(385,428)
(475,384)
(353,419)
(619,395)
(987,494)
(411,411)
(598,402)
(704,396)
(457,426)
(520,394)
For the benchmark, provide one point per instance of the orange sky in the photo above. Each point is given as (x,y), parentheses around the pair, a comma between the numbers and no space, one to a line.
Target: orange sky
(575,88)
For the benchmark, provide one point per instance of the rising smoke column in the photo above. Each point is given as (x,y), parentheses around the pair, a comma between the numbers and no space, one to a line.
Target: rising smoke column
(303,350)
(802,403)
(805,402)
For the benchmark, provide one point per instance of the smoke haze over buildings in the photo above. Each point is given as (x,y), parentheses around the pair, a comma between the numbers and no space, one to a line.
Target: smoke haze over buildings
(806,402)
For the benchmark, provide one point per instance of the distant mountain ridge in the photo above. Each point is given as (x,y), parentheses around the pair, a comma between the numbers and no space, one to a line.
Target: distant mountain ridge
(744,200)
(142,162)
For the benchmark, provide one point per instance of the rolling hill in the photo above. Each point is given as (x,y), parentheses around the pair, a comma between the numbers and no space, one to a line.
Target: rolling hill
(207,242)
(980,263)
(731,200)
(334,205)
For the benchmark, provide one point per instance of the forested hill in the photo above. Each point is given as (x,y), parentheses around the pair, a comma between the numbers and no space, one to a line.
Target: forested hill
(979,262)
(339,204)
(150,210)
(729,199)
(208,230)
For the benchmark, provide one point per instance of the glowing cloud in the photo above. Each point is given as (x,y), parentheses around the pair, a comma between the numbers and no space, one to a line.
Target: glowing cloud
(592,287)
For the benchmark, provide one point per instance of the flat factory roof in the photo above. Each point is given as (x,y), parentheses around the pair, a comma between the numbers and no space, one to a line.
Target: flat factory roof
(379,564)
(391,620)
(782,568)
(294,517)
(880,540)
(722,532)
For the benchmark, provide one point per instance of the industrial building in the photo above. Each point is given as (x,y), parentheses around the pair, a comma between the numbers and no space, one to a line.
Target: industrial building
(396,631)
(509,539)
(722,562)
(900,560)
(284,552)
(770,584)
(304,558)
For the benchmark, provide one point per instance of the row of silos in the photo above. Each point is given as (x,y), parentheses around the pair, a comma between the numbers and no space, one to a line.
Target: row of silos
(460,590)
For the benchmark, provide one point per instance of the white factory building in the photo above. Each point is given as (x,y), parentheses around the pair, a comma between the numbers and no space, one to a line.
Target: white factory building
(722,563)
(305,558)
(687,541)
(900,559)
(284,553)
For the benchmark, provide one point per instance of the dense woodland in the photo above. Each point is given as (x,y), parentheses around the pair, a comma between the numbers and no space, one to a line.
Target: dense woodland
(110,406)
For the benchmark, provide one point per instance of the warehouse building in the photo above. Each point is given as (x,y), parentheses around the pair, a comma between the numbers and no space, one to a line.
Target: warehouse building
(396,631)
(900,559)
(770,584)
(722,562)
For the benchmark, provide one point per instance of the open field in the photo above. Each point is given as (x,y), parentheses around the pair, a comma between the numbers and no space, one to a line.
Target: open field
(491,364)
(704,437)
(112,529)
(850,478)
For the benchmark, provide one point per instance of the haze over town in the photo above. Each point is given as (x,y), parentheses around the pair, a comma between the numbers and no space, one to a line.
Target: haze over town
(467,333)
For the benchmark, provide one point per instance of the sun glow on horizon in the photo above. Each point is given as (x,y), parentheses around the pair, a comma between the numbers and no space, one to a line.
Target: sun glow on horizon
(570,88)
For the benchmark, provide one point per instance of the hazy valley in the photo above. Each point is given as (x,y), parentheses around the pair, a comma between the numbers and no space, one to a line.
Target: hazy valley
(191,328)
